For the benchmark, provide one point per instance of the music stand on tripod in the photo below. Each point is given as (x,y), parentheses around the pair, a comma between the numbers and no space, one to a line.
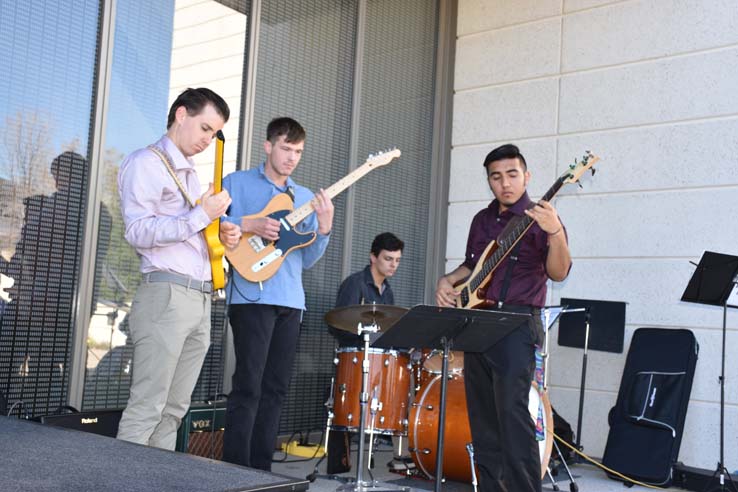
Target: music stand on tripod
(714,283)
(467,330)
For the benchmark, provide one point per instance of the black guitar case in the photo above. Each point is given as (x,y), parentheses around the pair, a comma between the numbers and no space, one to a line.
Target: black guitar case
(647,420)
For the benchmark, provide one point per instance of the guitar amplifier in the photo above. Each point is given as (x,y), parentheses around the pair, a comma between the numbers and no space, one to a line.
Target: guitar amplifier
(201,432)
(102,422)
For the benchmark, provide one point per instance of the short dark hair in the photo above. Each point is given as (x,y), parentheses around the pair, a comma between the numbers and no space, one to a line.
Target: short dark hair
(507,151)
(195,101)
(388,242)
(293,131)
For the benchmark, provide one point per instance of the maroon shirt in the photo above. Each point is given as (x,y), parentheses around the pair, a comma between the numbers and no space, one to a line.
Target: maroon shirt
(528,282)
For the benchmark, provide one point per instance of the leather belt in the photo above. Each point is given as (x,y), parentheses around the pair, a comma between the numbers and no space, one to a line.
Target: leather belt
(204,286)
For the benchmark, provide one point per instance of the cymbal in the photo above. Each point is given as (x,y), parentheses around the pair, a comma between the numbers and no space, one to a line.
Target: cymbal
(347,318)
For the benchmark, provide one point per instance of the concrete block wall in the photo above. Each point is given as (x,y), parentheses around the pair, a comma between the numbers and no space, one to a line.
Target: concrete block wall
(208,44)
(651,86)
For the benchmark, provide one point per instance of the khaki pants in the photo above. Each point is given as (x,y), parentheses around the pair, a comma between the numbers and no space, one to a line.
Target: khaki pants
(170,326)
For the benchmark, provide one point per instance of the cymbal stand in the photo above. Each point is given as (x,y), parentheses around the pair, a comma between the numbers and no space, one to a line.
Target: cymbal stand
(470,451)
(329,423)
(547,322)
(362,485)
(375,406)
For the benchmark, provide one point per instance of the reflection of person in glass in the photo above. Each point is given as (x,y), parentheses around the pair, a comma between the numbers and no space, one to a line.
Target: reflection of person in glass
(36,324)
(170,316)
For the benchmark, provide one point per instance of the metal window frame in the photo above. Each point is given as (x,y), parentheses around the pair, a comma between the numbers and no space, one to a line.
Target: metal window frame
(96,156)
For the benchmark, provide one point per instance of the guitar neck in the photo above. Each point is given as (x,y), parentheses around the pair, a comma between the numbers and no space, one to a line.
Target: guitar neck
(218,174)
(509,240)
(300,213)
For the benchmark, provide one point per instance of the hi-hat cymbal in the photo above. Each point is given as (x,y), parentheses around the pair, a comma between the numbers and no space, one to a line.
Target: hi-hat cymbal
(348,317)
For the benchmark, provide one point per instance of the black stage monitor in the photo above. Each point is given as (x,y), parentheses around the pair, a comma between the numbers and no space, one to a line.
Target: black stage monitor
(713,280)
(606,325)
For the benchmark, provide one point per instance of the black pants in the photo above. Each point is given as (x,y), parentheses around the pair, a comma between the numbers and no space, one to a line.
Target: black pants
(497,384)
(265,342)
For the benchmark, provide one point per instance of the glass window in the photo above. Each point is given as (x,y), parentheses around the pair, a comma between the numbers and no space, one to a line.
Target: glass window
(160,48)
(47,61)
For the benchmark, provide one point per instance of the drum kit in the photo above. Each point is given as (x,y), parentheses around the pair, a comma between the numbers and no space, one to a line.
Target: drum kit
(396,392)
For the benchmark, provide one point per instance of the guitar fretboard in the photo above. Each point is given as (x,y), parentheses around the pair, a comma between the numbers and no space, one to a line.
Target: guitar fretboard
(300,213)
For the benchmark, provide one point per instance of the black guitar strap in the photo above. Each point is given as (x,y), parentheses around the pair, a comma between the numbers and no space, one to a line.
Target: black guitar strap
(291,193)
(512,259)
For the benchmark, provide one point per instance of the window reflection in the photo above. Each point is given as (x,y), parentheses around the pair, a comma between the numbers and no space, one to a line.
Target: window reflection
(45,113)
(160,49)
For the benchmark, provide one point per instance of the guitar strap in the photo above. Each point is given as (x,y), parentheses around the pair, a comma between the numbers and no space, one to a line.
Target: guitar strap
(512,259)
(167,160)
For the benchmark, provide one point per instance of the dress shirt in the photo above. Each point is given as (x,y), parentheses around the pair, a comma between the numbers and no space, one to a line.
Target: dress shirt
(529,277)
(159,221)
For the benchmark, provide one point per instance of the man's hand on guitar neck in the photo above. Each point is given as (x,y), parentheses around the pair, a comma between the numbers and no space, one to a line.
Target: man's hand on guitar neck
(215,204)
(323,207)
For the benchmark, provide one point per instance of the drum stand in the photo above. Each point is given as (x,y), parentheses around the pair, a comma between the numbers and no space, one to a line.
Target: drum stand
(547,322)
(361,485)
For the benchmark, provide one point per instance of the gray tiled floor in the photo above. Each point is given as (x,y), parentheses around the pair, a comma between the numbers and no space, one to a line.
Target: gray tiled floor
(587,477)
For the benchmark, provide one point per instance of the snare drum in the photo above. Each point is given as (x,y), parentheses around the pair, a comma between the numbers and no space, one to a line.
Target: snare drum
(389,383)
(423,429)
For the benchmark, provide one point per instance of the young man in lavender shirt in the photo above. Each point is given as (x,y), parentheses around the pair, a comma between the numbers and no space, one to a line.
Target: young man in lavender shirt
(170,316)
(498,381)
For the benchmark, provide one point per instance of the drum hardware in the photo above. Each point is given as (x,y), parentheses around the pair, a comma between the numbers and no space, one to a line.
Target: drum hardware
(329,407)
(435,327)
(368,316)
(470,450)
(548,321)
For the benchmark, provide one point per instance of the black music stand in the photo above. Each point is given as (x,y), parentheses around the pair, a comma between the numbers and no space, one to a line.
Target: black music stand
(714,283)
(433,327)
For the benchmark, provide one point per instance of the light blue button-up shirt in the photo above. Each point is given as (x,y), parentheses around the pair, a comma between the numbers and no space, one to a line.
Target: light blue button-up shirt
(251,191)
(159,222)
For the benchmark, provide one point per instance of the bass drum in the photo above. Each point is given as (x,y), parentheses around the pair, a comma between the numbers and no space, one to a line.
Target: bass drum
(423,429)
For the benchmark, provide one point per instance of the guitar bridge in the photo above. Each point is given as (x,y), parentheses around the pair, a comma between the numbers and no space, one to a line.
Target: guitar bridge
(267,260)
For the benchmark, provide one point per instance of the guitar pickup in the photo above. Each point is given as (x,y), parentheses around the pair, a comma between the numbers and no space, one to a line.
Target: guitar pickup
(257,243)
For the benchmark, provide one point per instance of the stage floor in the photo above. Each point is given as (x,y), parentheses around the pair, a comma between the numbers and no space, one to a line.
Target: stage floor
(587,477)
(44,458)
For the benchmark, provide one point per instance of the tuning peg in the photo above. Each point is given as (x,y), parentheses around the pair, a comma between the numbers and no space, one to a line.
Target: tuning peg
(593,171)
(580,184)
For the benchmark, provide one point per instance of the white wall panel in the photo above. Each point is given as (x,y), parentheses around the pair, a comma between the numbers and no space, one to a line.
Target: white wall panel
(574,5)
(468,178)
(694,86)
(483,15)
(650,87)
(694,154)
(516,53)
(652,287)
(645,29)
(656,224)
(461,214)
(505,112)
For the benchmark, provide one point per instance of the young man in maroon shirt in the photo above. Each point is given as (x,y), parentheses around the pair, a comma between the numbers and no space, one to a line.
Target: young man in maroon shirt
(498,381)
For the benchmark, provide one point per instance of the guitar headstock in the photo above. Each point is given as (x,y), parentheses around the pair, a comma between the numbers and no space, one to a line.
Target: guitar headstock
(383,158)
(576,170)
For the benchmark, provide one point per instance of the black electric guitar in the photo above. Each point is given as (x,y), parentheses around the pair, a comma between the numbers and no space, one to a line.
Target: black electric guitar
(473,288)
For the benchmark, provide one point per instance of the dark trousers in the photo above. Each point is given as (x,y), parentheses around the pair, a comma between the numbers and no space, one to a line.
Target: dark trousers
(497,384)
(265,342)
